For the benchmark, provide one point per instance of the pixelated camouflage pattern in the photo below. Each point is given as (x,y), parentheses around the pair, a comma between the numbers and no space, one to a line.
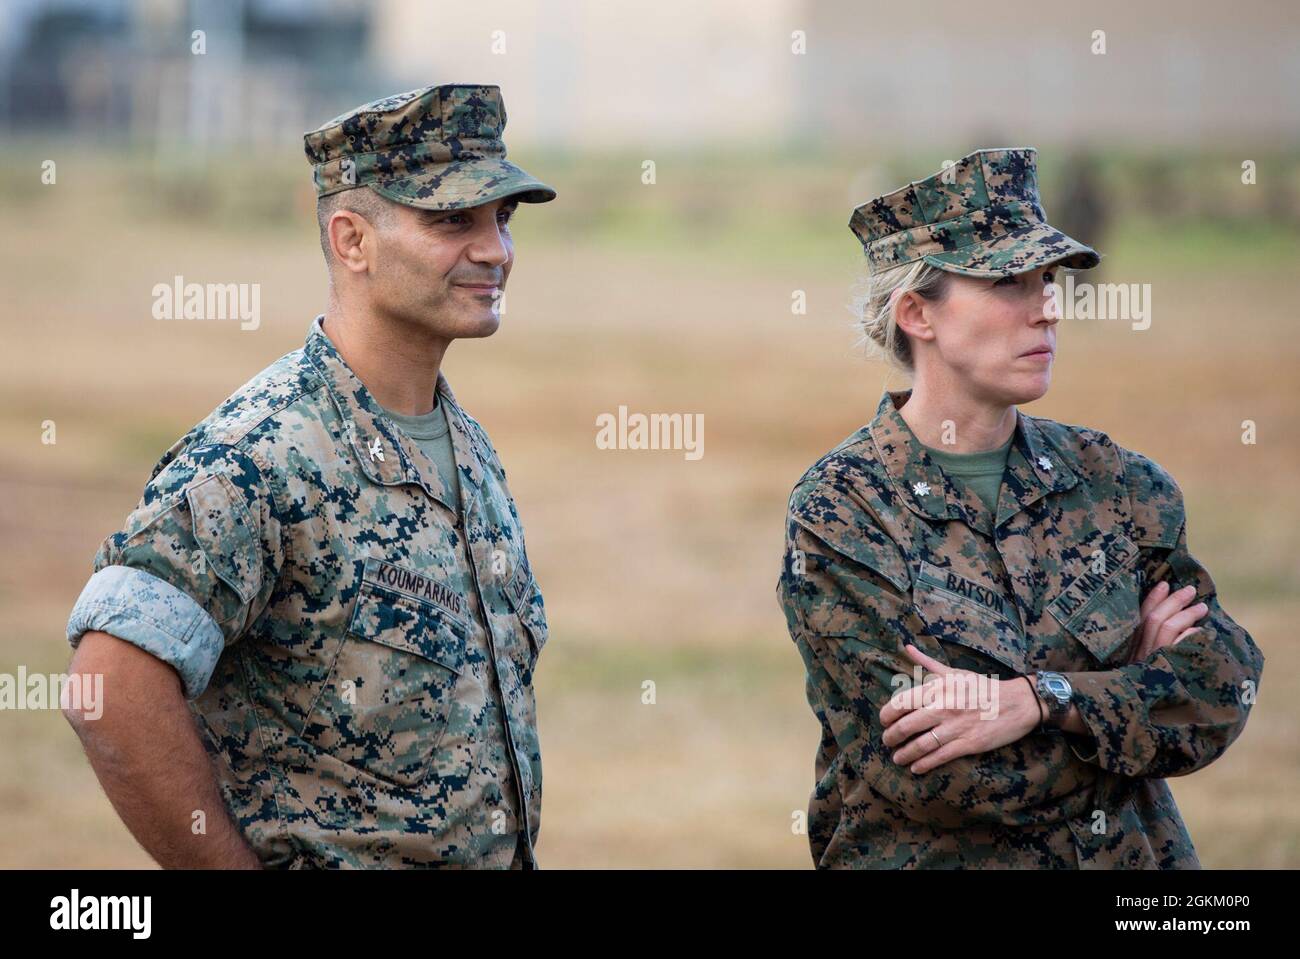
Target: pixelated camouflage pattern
(373,705)
(436,148)
(1082,529)
(137,606)
(988,221)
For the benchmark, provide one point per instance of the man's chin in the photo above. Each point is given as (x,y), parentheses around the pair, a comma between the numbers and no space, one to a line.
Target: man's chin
(471,324)
(479,327)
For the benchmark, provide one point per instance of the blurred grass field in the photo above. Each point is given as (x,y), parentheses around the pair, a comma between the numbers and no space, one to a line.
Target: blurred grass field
(670,298)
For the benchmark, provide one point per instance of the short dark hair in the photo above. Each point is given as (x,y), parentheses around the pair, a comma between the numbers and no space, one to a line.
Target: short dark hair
(363,200)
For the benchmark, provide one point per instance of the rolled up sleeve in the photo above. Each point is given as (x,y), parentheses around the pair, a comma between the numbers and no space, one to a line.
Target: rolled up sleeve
(154,615)
(193,566)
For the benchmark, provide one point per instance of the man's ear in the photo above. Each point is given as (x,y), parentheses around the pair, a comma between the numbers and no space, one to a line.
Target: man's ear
(351,238)
(910,315)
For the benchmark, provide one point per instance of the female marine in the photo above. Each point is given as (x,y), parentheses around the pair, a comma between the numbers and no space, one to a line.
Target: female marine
(1008,645)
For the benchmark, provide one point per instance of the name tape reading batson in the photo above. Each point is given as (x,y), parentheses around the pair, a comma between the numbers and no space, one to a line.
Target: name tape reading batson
(1119,552)
(414,584)
(968,589)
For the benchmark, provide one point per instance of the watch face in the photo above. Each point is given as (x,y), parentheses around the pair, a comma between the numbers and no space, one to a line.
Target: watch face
(1058,686)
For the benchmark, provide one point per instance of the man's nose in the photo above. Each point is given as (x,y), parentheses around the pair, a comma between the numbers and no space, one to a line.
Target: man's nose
(490,245)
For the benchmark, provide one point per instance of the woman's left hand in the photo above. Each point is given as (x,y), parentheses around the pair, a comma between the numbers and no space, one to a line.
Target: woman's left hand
(955,713)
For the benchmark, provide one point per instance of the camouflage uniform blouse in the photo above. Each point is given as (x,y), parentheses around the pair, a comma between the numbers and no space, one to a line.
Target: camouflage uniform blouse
(358,647)
(883,550)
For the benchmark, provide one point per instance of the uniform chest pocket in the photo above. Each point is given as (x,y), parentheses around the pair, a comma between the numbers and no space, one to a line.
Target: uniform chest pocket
(1102,615)
(388,702)
(525,598)
(975,617)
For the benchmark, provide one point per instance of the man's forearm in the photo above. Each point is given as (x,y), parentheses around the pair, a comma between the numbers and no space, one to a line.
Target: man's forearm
(147,754)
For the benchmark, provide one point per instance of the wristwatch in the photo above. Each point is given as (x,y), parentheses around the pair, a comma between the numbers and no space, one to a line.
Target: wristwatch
(1054,689)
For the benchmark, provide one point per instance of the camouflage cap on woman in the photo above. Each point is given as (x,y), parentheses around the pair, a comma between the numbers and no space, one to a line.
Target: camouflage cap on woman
(978,217)
(437,148)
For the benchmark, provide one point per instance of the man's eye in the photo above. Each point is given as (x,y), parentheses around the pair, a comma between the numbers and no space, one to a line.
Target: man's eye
(1006,281)
(1049,277)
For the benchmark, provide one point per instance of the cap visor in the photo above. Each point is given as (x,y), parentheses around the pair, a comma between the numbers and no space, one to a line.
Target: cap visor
(464,183)
(1017,251)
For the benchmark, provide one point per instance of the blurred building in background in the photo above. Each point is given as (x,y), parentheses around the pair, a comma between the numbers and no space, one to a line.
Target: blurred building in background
(130,70)
(588,73)
(1198,73)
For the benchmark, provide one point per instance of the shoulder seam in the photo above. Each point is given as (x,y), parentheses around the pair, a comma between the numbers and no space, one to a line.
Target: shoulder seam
(238,437)
(270,480)
(867,511)
(1126,460)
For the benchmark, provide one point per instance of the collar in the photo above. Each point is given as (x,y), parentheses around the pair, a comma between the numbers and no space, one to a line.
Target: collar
(1035,468)
(383,452)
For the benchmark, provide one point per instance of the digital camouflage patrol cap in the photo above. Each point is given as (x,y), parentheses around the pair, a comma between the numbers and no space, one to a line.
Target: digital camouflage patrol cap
(979,217)
(437,148)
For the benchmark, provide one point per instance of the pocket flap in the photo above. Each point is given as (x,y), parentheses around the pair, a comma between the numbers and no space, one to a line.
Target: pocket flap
(224,531)
(526,597)
(1107,622)
(957,609)
(398,620)
(1100,604)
